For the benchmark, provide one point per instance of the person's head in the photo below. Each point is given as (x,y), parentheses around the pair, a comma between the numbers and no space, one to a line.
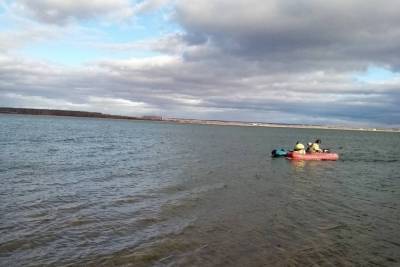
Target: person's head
(318,141)
(298,142)
(309,144)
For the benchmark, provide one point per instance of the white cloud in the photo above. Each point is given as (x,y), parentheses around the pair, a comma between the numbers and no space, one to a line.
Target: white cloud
(61,12)
(64,11)
(150,5)
(12,40)
(170,44)
(282,61)
(29,101)
(182,99)
(143,63)
(108,105)
(169,86)
(113,105)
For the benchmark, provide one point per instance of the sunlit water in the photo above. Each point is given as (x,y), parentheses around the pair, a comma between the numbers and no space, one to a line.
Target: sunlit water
(98,192)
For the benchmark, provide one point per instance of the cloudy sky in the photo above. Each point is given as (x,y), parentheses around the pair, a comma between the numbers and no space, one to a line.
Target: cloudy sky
(291,61)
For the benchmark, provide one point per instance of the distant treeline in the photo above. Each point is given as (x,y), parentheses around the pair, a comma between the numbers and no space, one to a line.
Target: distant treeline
(72,113)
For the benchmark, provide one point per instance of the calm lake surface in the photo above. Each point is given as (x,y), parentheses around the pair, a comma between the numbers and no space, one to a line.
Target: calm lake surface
(97,192)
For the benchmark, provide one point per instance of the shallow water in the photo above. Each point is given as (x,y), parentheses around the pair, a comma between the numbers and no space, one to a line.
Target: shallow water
(98,192)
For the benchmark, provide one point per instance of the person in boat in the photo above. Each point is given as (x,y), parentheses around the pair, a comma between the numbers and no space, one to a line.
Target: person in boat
(299,148)
(309,147)
(314,148)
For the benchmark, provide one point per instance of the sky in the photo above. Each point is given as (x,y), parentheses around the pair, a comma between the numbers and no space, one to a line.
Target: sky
(333,62)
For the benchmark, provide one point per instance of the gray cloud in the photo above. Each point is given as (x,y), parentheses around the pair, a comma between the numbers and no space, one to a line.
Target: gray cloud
(313,34)
(278,61)
(173,87)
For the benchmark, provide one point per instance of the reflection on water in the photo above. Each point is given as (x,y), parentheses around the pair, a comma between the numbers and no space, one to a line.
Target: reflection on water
(299,164)
(120,193)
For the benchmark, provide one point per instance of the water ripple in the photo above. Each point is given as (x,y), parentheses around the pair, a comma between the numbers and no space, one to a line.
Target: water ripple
(88,192)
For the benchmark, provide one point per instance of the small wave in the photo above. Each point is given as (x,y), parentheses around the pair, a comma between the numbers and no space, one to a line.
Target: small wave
(196,190)
(397,244)
(131,199)
(11,245)
(79,222)
(69,140)
(148,221)
(174,207)
(333,227)
(127,200)
(370,160)
(25,242)
(108,148)
(157,252)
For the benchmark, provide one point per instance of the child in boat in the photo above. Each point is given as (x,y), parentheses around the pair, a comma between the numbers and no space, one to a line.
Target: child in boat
(314,148)
(299,148)
(309,147)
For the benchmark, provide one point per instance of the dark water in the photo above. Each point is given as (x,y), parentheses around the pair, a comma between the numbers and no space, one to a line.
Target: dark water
(99,192)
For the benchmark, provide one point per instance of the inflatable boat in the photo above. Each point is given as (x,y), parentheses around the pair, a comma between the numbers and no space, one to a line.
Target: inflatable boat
(312,156)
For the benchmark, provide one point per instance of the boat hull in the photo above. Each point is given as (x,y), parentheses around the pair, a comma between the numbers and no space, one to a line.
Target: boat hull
(312,156)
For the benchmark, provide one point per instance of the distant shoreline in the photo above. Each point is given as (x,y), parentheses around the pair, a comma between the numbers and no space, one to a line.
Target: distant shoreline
(278,125)
(86,114)
(72,113)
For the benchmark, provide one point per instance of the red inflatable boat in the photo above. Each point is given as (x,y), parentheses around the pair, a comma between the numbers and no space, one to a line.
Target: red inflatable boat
(312,156)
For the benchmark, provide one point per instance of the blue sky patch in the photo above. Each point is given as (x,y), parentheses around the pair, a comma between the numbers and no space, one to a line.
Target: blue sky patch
(375,74)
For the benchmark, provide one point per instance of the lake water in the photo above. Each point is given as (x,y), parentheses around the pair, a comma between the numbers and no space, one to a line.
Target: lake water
(97,192)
